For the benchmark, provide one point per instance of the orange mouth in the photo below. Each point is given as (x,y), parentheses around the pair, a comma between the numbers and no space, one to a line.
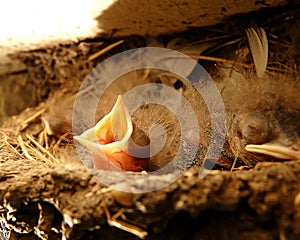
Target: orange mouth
(109,141)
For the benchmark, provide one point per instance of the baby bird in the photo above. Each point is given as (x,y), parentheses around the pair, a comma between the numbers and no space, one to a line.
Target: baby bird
(147,138)
(112,141)
(262,108)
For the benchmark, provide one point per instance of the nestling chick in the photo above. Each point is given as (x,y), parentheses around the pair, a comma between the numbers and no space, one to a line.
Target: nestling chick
(154,122)
(112,142)
(263,109)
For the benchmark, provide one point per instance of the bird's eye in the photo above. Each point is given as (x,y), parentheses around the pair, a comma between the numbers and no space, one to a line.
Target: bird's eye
(255,128)
(158,81)
(178,84)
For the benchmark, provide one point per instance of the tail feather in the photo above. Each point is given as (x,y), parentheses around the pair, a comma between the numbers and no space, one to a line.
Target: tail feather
(258,43)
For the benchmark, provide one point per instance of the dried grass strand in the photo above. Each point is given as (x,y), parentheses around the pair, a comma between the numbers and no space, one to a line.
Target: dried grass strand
(124,225)
(39,154)
(27,121)
(63,137)
(24,149)
(222,60)
(5,142)
(42,148)
(104,50)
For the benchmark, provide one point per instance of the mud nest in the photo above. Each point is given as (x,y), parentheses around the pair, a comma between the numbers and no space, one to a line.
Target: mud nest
(47,193)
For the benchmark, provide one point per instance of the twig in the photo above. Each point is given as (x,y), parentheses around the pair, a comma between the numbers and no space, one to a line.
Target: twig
(281,70)
(287,68)
(120,213)
(63,137)
(5,142)
(223,45)
(45,138)
(40,138)
(235,159)
(26,122)
(234,163)
(104,50)
(22,145)
(41,148)
(124,225)
(41,156)
(216,59)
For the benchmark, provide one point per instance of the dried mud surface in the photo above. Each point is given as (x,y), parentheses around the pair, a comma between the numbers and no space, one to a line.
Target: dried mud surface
(53,201)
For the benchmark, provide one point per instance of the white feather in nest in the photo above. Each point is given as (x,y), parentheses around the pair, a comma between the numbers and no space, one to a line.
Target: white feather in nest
(258,43)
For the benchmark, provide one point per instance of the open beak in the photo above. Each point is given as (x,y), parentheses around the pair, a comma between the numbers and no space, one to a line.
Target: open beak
(276,150)
(109,141)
